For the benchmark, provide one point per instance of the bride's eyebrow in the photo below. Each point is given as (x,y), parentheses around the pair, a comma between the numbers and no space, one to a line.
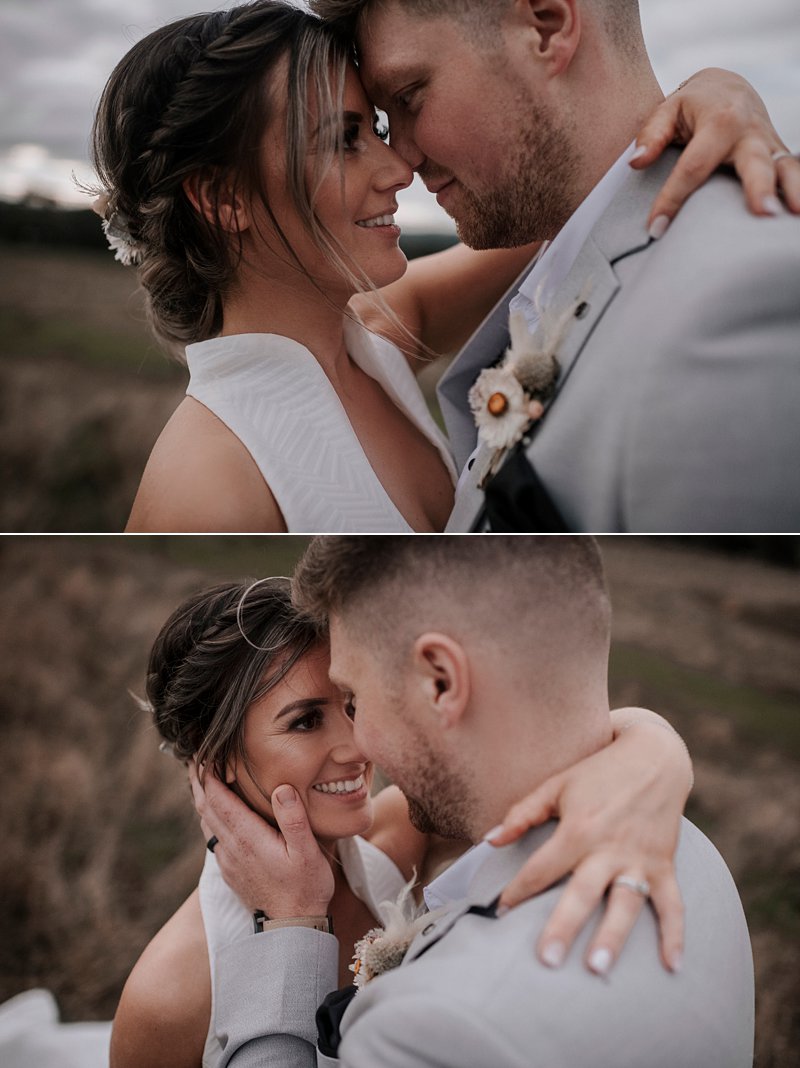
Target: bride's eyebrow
(306,704)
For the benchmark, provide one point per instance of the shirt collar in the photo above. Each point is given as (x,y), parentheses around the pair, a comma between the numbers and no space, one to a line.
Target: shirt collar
(558,257)
(453,883)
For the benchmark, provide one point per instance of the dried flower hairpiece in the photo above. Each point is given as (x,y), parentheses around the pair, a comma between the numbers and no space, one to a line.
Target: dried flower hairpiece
(116,227)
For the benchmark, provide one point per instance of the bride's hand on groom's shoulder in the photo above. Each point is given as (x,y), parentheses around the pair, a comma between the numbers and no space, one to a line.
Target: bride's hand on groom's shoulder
(721,119)
(282,872)
(619,814)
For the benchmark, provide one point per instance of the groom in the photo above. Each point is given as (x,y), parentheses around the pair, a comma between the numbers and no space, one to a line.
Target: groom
(488,660)
(678,354)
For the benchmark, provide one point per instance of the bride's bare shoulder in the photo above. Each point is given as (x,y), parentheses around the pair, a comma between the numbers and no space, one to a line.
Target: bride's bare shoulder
(163,1015)
(200,478)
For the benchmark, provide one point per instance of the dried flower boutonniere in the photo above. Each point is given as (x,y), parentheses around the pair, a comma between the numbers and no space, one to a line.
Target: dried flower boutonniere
(383,948)
(507,399)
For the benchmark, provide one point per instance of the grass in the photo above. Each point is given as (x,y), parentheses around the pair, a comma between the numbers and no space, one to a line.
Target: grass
(28,336)
(765,719)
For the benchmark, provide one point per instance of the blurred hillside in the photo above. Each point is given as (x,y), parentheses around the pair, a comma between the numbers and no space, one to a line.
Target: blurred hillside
(84,388)
(100,843)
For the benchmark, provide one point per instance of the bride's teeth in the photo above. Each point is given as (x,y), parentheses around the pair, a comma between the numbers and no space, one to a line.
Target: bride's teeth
(345,786)
(379,220)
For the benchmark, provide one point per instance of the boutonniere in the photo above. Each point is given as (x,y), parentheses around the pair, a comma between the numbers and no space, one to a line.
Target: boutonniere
(383,948)
(506,400)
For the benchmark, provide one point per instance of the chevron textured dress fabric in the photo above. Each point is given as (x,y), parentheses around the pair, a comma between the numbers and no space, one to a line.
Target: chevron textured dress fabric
(273,395)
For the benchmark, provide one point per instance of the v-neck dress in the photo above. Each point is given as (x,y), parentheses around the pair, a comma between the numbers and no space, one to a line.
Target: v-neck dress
(273,395)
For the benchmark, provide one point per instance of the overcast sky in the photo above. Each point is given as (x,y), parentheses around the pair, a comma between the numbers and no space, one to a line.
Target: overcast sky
(55,56)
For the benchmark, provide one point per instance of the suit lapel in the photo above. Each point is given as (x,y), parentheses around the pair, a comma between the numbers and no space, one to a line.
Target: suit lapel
(484,889)
(487,343)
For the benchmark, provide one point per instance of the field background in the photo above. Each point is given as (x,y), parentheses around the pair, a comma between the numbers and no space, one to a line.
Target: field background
(99,837)
(84,388)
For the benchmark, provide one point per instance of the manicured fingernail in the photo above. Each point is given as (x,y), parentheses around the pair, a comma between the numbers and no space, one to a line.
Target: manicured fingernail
(494,833)
(553,954)
(676,962)
(659,226)
(501,910)
(600,961)
(771,205)
(285,796)
(640,151)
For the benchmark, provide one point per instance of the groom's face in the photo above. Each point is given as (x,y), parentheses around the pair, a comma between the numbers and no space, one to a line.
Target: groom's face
(391,727)
(473,119)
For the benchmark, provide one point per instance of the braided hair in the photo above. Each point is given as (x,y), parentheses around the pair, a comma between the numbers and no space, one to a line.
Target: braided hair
(193,98)
(220,651)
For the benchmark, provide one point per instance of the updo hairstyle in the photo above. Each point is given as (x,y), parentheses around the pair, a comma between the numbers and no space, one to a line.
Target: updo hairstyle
(194,98)
(220,651)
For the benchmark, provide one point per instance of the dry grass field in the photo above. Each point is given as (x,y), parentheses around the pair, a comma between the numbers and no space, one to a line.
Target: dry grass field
(99,840)
(84,390)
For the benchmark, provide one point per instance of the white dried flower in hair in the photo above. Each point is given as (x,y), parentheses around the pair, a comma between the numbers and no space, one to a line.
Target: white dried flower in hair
(122,244)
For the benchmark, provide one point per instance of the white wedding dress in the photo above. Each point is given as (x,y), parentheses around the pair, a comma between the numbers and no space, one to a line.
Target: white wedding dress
(271,392)
(32,1036)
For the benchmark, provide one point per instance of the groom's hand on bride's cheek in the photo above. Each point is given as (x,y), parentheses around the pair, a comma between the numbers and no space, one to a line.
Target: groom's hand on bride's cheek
(282,872)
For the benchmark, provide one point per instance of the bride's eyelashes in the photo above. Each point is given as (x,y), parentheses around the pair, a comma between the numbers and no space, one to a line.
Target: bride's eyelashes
(352,138)
(308,721)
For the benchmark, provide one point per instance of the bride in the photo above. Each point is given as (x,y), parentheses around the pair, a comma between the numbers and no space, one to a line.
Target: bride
(246,176)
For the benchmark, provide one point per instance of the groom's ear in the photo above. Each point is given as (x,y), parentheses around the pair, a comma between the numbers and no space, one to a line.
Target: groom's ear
(553,28)
(442,670)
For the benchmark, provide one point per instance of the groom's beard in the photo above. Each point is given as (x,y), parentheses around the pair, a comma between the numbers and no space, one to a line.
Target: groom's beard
(438,802)
(531,198)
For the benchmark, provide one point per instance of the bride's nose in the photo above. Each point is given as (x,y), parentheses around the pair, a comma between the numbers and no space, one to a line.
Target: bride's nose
(392,171)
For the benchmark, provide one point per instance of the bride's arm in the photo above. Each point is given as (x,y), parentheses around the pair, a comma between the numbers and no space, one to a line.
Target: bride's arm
(619,813)
(443,298)
(722,120)
(163,1014)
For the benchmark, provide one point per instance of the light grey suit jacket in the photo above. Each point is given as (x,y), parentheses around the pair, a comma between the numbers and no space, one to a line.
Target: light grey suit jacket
(471,993)
(678,401)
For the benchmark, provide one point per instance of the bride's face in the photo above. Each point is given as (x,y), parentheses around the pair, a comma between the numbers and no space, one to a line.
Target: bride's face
(301,733)
(355,201)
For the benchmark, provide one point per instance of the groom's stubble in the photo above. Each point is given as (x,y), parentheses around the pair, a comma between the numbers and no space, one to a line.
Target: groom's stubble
(532,194)
(436,791)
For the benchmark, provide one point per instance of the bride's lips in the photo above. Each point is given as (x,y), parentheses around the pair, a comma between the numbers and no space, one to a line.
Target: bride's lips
(381,223)
(346,791)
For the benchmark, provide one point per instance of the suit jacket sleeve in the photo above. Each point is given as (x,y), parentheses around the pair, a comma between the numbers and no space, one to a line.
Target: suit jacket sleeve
(267,990)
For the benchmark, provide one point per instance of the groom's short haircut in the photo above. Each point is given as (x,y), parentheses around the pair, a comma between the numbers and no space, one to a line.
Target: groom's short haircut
(620,18)
(504,590)
(476,15)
